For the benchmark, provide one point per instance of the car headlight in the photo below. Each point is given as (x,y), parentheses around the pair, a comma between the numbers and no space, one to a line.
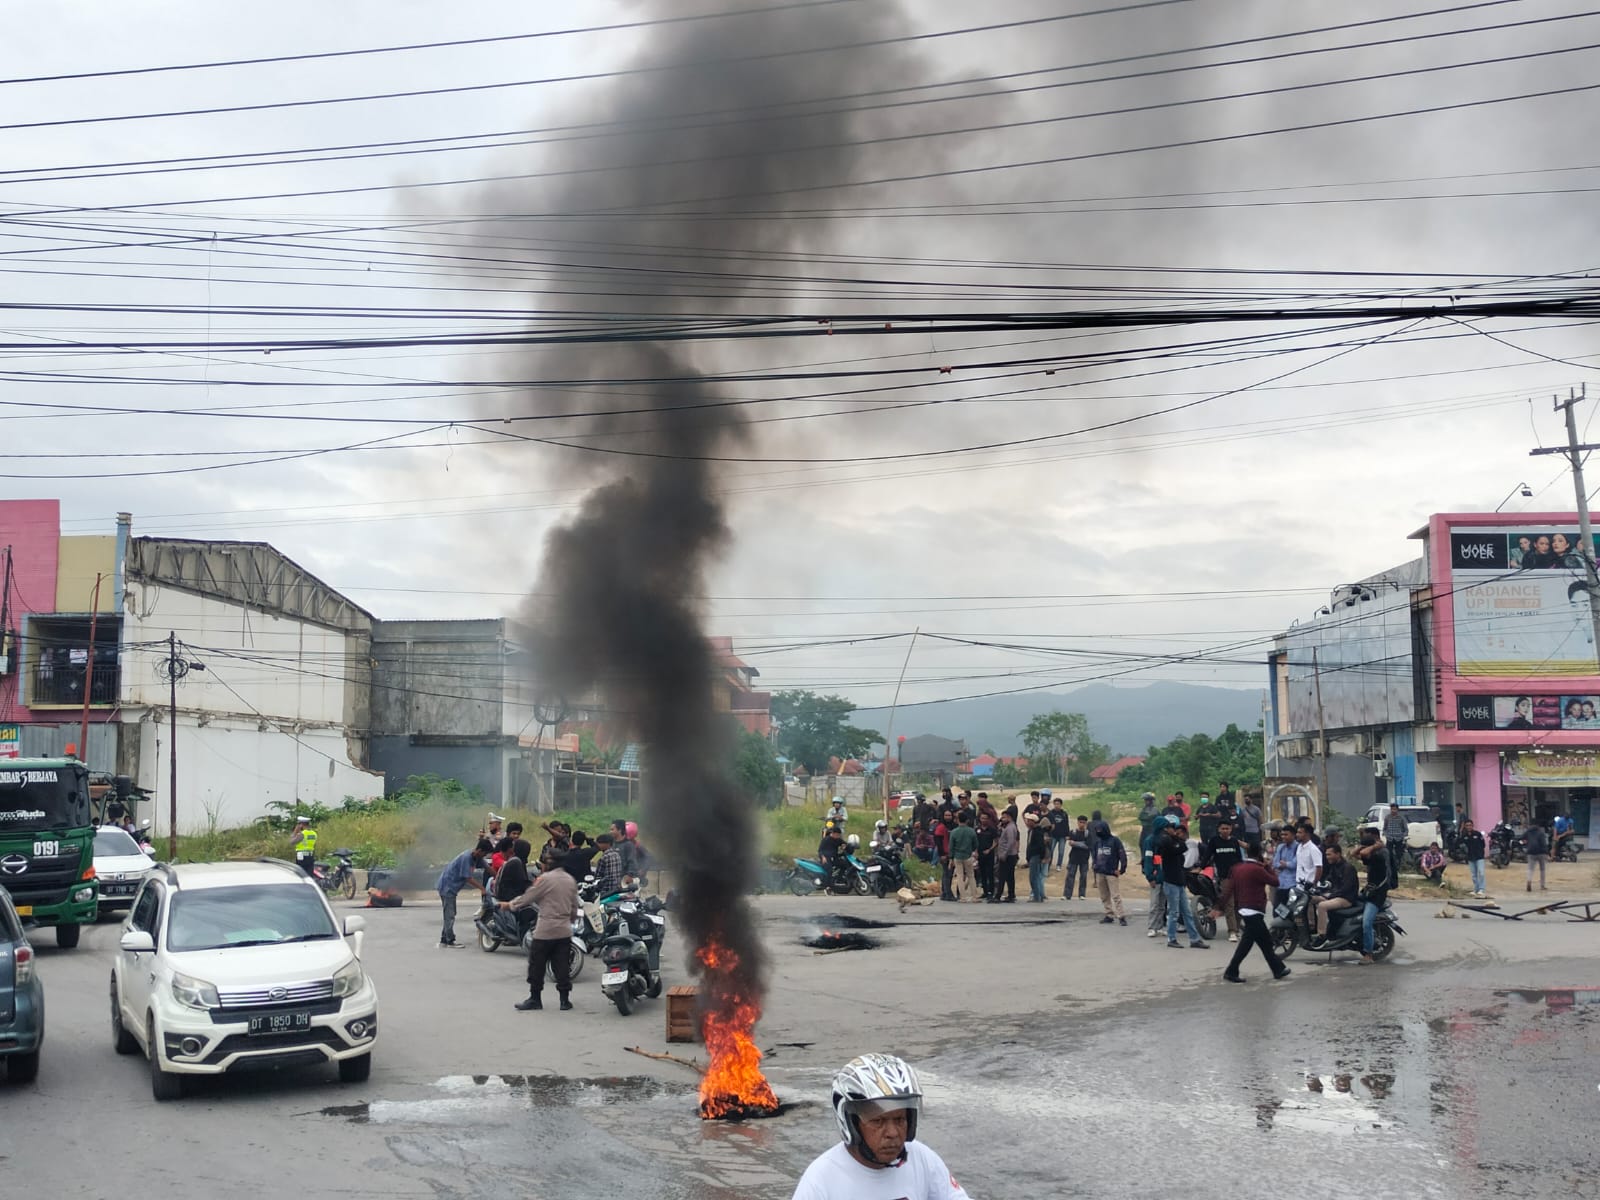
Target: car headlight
(194,993)
(347,980)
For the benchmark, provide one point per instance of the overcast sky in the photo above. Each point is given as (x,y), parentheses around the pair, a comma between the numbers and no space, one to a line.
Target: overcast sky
(1203,530)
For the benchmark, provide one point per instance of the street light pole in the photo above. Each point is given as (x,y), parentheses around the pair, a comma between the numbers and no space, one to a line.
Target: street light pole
(172,748)
(1585,532)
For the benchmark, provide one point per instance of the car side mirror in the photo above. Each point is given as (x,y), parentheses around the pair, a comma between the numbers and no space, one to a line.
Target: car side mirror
(354,923)
(137,941)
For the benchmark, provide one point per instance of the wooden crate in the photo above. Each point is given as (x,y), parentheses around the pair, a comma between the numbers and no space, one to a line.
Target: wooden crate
(683,1014)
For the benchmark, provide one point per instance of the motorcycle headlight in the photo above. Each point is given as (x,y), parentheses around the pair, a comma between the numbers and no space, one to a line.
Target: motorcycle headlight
(194,993)
(347,980)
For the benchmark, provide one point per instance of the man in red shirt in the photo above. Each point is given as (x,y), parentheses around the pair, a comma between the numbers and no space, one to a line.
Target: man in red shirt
(1249,884)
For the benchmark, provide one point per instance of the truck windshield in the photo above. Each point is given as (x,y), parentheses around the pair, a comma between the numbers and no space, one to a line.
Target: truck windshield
(39,798)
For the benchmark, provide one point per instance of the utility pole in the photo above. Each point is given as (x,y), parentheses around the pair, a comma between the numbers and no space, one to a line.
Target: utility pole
(1322,734)
(172,748)
(88,671)
(1585,532)
(888,737)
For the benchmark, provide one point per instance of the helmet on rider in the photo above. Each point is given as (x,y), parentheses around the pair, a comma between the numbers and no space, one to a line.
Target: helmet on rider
(853,840)
(1168,821)
(632,830)
(871,1086)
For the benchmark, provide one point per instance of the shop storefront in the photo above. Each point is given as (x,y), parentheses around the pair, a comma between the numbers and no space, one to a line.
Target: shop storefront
(1540,787)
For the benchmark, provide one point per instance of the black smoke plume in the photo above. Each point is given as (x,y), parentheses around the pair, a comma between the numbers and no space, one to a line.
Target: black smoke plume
(628,572)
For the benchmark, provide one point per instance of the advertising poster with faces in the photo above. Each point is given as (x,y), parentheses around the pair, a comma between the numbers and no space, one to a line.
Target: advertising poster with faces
(1517,611)
(1528,712)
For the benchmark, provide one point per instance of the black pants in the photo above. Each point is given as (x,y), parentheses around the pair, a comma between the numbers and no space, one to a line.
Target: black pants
(1255,933)
(944,880)
(1077,868)
(555,952)
(1005,884)
(1397,853)
(986,875)
(306,862)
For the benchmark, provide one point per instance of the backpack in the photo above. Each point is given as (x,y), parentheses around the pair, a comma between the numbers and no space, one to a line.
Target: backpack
(1105,856)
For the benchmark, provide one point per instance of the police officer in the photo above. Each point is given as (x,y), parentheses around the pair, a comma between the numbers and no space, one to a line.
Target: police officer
(305,846)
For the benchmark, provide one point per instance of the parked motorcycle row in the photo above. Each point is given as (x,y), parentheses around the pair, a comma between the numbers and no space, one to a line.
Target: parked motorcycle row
(621,930)
(883,871)
(1508,845)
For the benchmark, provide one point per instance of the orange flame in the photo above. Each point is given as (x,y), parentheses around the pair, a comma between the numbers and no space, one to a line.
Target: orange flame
(733,1083)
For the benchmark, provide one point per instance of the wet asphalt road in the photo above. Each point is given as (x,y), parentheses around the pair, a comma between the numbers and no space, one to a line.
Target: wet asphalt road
(1061,1058)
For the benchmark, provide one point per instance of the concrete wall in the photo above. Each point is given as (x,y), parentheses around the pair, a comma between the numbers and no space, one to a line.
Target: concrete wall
(1350,780)
(257,664)
(230,770)
(78,561)
(439,677)
(479,767)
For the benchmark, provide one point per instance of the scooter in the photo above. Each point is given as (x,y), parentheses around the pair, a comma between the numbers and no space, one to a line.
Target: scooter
(1506,845)
(498,927)
(810,876)
(631,952)
(1293,924)
(885,870)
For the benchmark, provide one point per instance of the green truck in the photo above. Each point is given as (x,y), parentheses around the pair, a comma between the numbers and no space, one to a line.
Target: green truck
(47,843)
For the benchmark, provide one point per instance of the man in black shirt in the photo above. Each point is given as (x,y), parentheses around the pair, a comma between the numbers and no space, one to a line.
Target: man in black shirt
(988,836)
(1209,817)
(1222,853)
(1174,847)
(1078,859)
(1060,823)
(513,879)
(1376,857)
(1344,888)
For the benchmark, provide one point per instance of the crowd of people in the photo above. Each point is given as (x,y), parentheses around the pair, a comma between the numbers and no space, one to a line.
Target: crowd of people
(542,890)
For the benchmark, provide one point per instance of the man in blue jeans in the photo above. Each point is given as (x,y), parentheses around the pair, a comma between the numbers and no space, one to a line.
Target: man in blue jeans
(1173,848)
(1376,894)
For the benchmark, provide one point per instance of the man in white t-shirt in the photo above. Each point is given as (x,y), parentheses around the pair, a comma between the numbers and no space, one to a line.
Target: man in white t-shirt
(876,1101)
(1307,857)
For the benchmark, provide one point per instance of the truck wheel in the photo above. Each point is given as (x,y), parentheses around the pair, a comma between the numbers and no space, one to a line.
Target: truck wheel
(22,1068)
(67,936)
(355,1070)
(122,1041)
(164,1085)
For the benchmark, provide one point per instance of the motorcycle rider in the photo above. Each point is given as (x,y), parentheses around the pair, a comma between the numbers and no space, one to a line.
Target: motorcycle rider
(830,853)
(513,880)
(1343,886)
(877,1099)
(609,873)
(1376,856)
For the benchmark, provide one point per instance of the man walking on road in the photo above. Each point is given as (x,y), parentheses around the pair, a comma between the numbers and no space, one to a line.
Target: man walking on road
(1110,865)
(555,895)
(1246,889)
(462,872)
(963,851)
(1538,853)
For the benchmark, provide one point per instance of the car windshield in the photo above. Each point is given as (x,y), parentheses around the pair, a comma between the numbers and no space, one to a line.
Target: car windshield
(113,843)
(1415,815)
(264,915)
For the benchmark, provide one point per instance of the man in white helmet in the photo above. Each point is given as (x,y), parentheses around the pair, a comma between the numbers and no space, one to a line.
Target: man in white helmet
(876,1102)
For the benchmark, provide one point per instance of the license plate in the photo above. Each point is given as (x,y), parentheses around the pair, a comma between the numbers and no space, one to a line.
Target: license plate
(611,977)
(24,910)
(270,1023)
(873,870)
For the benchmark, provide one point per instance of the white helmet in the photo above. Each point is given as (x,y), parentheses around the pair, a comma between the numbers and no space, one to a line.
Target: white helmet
(874,1083)
(881,824)
(853,841)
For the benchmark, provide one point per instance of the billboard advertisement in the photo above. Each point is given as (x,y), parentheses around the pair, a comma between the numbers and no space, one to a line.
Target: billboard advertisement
(1520,606)
(1528,711)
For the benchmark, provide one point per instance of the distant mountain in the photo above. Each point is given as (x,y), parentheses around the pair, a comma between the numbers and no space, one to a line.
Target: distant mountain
(1128,719)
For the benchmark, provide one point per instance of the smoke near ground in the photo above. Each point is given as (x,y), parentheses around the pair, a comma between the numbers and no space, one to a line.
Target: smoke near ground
(616,611)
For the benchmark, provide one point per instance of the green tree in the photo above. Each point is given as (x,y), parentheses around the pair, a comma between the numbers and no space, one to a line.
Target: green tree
(1054,736)
(812,728)
(1198,762)
(756,769)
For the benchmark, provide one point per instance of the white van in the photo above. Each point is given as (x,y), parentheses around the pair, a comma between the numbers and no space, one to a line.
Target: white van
(1421,828)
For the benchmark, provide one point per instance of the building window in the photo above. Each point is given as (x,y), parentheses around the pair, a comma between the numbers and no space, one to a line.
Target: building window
(56,662)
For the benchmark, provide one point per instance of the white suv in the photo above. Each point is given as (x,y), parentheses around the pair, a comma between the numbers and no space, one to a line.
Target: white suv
(240,966)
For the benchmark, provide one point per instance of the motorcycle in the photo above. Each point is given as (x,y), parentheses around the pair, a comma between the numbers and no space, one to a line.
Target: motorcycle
(631,952)
(1567,849)
(1293,924)
(810,876)
(340,880)
(1203,887)
(498,927)
(885,870)
(1506,845)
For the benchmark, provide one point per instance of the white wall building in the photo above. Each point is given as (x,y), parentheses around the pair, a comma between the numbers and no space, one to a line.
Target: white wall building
(278,708)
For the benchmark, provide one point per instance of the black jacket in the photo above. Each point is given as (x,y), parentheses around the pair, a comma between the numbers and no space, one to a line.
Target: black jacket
(1343,884)
(1173,849)
(1224,853)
